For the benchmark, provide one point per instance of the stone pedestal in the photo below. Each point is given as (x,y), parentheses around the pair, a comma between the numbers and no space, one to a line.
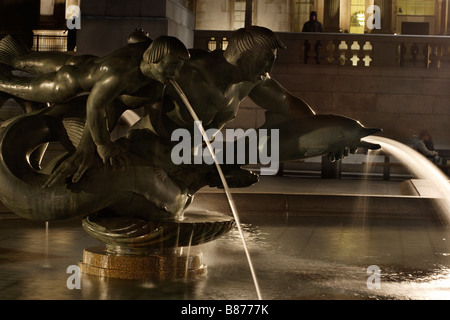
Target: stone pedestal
(151,250)
(185,263)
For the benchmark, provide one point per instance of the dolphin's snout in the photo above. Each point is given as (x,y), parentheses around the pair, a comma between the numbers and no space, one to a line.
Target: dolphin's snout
(368,145)
(370,131)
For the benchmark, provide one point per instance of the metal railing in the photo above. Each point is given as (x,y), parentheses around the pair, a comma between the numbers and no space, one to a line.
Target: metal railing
(49,43)
(44,42)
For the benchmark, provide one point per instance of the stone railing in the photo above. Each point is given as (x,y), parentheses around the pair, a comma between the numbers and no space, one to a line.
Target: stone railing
(355,50)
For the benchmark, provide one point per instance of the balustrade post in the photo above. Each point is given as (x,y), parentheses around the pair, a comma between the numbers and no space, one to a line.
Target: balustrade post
(306,51)
(425,55)
(414,53)
(434,56)
(445,58)
(337,53)
(361,54)
(348,53)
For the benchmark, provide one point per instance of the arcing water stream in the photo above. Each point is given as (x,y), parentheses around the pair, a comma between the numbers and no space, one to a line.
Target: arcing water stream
(421,167)
(222,178)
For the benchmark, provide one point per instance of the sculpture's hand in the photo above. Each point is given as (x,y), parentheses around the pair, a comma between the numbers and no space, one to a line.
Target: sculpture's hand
(75,166)
(337,155)
(113,155)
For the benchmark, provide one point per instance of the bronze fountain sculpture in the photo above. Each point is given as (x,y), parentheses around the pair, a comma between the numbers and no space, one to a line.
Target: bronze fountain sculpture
(131,194)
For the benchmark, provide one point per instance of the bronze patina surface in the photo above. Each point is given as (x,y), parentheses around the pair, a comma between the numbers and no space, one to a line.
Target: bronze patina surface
(131,186)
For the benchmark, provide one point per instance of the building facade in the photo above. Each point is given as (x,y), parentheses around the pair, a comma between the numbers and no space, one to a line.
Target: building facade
(348,16)
(181,17)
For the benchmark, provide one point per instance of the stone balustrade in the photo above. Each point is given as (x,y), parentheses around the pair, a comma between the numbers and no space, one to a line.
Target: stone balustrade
(355,50)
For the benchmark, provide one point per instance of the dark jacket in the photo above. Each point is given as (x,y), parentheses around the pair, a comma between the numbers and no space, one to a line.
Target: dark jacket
(312,25)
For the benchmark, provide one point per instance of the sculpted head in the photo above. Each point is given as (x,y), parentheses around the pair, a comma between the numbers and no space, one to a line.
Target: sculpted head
(164,58)
(253,50)
(138,35)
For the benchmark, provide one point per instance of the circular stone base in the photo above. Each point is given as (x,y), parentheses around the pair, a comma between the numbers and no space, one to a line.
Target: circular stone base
(101,262)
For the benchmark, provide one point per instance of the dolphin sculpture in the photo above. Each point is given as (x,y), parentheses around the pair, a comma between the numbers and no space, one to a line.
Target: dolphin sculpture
(329,135)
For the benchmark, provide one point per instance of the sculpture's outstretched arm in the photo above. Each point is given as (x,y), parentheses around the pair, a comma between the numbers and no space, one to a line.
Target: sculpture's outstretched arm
(45,62)
(53,87)
(102,95)
(270,95)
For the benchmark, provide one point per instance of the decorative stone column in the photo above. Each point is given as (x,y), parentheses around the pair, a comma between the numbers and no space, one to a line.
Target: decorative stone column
(331,17)
(248,13)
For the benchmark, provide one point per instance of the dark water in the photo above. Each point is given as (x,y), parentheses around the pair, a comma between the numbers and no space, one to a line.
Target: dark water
(294,258)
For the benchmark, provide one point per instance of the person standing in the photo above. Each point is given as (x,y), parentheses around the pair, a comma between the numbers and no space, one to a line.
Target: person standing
(313,25)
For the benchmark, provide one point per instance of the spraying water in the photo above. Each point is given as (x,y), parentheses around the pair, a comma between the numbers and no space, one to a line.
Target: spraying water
(421,167)
(47,261)
(222,178)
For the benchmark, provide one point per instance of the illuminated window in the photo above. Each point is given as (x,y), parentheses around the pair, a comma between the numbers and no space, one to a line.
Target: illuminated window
(239,13)
(301,14)
(357,16)
(415,7)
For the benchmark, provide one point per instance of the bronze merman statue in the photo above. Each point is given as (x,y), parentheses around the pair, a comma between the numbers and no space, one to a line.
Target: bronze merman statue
(146,182)
(119,79)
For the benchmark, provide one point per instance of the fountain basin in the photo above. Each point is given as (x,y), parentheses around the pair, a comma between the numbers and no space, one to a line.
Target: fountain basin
(151,250)
(128,236)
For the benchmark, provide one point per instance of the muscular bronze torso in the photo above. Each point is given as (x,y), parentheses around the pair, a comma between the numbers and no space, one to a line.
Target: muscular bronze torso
(214,87)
